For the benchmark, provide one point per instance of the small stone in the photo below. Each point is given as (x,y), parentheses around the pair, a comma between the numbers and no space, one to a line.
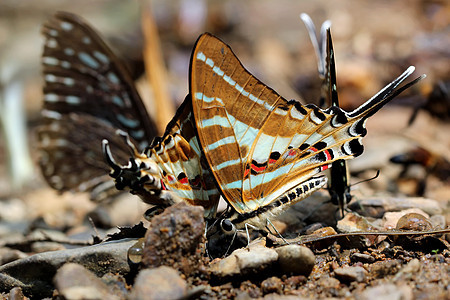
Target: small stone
(413,221)
(381,269)
(158,283)
(256,260)
(329,282)
(16,294)
(8,255)
(76,282)
(361,257)
(437,221)
(244,261)
(411,267)
(176,238)
(349,274)
(387,291)
(225,267)
(272,285)
(296,259)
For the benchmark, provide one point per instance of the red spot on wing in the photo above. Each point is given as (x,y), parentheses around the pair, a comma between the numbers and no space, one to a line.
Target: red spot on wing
(258,169)
(184,180)
(163,186)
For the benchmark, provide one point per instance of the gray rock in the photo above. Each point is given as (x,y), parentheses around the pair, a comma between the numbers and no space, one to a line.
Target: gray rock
(407,271)
(8,255)
(361,257)
(34,274)
(387,291)
(256,260)
(272,285)
(244,261)
(295,259)
(349,274)
(73,281)
(16,294)
(176,238)
(158,283)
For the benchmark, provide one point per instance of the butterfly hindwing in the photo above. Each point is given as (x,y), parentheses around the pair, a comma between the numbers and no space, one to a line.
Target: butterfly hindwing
(184,166)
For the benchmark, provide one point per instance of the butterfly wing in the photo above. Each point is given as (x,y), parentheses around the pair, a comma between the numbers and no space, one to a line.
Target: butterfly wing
(88,94)
(259,145)
(184,167)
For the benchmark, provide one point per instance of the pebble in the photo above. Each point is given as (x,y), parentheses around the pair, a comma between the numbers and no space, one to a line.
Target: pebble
(328,282)
(438,221)
(411,267)
(383,268)
(35,272)
(392,218)
(73,281)
(8,255)
(350,274)
(361,257)
(175,238)
(295,259)
(353,223)
(16,294)
(243,262)
(429,206)
(413,221)
(158,283)
(272,285)
(256,260)
(387,291)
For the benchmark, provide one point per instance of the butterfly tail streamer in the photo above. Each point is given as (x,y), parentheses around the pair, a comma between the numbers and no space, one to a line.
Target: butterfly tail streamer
(389,92)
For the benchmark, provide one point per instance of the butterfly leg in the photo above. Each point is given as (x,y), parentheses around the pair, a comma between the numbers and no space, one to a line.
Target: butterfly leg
(276,230)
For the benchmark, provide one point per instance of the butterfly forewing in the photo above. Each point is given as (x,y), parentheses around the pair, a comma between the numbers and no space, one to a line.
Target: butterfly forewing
(88,95)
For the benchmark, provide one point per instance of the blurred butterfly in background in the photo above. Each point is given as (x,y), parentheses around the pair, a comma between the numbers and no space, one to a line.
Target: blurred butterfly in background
(88,96)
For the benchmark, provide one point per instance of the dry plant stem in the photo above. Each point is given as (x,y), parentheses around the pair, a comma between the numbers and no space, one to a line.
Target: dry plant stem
(308,239)
(155,70)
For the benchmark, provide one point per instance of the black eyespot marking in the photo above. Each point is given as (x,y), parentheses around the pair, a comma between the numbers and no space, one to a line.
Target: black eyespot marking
(298,106)
(359,128)
(319,114)
(181,176)
(304,146)
(321,156)
(356,147)
(320,145)
(275,155)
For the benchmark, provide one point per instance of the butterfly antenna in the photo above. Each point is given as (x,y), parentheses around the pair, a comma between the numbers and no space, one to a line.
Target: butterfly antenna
(110,159)
(129,143)
(369,179)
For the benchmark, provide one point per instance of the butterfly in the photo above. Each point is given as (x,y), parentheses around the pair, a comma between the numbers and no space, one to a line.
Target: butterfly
(88,96)
(263,150)
(339,186)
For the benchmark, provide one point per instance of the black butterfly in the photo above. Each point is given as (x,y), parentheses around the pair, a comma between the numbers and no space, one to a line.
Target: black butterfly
(88,95)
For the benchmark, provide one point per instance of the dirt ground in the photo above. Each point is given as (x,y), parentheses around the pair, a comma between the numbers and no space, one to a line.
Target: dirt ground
(374,42)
